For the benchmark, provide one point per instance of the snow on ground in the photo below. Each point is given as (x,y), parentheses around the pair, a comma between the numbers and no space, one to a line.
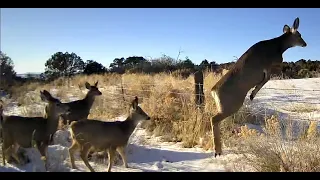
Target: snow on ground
(144,153)
(297,100)
(149,154)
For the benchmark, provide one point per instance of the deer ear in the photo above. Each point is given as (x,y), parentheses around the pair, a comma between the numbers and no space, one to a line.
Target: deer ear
(96,84)
(295,25)
(286,29)
(135,103)
(43,96)
(87,85)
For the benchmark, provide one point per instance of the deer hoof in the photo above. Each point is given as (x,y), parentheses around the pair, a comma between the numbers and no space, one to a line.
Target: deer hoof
(43,158)
(216,154)
(251,97)
(90,156)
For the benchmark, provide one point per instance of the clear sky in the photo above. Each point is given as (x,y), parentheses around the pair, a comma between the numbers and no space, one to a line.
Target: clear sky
(31,36)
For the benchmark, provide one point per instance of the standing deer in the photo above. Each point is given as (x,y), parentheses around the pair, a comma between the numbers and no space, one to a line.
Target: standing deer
(20,131)
(101,136)
(80,109)
(251,70)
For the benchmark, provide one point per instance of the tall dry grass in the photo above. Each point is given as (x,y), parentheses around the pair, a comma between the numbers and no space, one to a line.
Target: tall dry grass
(269,151)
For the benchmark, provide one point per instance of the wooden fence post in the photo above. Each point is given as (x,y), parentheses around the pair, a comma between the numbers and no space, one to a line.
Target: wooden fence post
(198,85)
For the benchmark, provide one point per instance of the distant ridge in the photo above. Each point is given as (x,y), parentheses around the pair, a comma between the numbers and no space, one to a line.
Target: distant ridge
(30,74)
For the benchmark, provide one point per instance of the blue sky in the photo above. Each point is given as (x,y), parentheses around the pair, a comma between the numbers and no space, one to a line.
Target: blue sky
(31,36)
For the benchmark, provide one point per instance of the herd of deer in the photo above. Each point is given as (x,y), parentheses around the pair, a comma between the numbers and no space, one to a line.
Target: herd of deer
(252,70)
(87,135)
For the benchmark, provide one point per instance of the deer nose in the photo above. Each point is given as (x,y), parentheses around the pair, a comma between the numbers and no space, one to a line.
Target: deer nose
(148,118)
(303,43)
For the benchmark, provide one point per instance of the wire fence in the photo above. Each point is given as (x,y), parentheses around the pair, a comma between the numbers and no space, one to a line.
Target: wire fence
(201,84)
(278,97)
(267,99)
(125,87)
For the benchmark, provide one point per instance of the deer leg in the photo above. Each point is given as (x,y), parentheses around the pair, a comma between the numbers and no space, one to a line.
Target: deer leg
(90,154)
(215,127)
(11,151)
(51,139)
(6,152)
(64,119)
(121,151)
(72,150)
(84,156)
(111,152)
(261,84)
(41,148)
(45,157)
(4,149)
(69,122)
(15,153)
(3,156)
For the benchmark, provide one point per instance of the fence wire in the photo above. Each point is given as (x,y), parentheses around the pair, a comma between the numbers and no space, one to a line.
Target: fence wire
(291,95)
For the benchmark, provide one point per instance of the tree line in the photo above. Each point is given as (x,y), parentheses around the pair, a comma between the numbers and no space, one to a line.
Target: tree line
(65,64)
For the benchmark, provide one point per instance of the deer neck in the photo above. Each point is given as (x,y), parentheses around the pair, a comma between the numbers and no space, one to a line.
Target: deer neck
(130,124)
(89,99)
(282,43)
(52,121)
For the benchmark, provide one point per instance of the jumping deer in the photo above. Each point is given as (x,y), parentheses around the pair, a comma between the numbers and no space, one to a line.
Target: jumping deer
(252,70)
(80,109)
(20,131)
(104,136)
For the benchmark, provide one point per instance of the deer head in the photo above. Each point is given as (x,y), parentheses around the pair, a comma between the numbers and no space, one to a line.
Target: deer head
(294,36)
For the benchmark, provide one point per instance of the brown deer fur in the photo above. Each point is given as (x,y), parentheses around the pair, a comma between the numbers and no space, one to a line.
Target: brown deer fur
(20,131)
(80,109)
(252,70)
(104,136)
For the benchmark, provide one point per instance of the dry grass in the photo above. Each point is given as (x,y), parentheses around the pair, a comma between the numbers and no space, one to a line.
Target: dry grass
(301,108)
(269,152)
(32,111)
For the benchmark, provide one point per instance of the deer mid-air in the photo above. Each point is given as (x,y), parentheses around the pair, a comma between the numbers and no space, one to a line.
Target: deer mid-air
(104,136)
(252,70)
(20,131)
(80,109)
